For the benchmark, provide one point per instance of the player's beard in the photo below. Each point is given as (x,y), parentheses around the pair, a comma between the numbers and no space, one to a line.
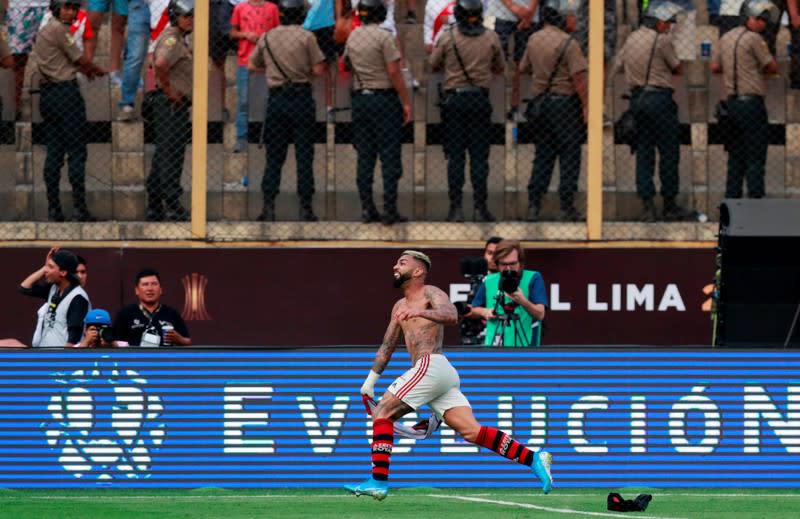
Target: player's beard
(399,280)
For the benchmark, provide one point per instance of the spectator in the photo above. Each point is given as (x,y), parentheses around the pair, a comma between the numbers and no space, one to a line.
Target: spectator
(23,17)
(438,17)
(744,60)
(684,32)
(172,124)
(650,61)
(119,18)
(148,322)
(560,87)
(136,45)
(793,8)
(95,332)
(513,301)
(513,18)
(381,107)
(220,43)
(488,253)
(60,318)
(250,20)
(81,271)
(320,20)
(469,56)
(63,109)
(6,58)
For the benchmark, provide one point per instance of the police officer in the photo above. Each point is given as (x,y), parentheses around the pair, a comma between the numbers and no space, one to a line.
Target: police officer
(743,58)
(559,69)
(381,107)
(171,124)
(649,60)
(63,109)
(469,54)
(291,56)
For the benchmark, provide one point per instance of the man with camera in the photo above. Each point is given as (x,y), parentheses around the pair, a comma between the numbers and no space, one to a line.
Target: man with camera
(512,301)
(475,269)
(97,331)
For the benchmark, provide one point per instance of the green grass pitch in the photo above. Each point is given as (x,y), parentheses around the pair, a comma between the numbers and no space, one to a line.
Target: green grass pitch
(431,503)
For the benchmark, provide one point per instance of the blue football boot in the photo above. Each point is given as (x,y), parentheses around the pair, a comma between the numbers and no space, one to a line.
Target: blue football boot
(370,487)
(541,467)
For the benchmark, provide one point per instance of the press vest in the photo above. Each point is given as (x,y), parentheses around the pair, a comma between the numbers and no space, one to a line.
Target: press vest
(54,332)
(525,329)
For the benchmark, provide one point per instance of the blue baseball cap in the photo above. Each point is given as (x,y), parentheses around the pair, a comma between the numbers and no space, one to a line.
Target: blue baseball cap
(98,316)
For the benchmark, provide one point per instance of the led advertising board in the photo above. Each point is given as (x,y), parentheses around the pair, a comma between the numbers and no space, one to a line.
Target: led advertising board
(286,418)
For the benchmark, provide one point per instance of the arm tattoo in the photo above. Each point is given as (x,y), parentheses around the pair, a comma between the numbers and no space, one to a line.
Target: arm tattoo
(441,310)
(393,336)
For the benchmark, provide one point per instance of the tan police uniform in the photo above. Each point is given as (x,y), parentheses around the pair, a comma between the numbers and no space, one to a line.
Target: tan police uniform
(746,87)
(172,129)
(63,112)
(466,113)
(377,118)
(289,54)
(648,59)
(561,129)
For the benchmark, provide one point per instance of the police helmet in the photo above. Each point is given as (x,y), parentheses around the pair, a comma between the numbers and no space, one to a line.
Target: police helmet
(55,5)
(292,12)
(178,8)
(555,12)
(371,11)
(469,17)
(664,11)
(763,9)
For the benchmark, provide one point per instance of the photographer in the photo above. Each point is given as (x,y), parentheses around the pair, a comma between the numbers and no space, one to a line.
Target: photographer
(97,330)
(475,269)
(513,301)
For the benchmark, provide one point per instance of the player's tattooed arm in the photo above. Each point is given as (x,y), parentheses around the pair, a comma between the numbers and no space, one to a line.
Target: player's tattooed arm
(440,309)
(392,337)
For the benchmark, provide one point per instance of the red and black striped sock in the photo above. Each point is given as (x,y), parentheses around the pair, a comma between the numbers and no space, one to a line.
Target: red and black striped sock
(504,445)
(382,443)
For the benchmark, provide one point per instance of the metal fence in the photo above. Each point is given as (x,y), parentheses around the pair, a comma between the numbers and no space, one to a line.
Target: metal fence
(221,181)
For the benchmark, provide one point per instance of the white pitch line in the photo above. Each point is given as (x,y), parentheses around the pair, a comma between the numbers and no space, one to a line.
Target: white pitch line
(541,508)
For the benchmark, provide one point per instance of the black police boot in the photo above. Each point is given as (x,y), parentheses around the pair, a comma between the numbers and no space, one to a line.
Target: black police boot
(534,206)
(155,210)
(267,212)
(672,211)
(390,214)
(55,214)
(307,213)
(648,211)
(569,213)
(176,212)
(482,214)
(80,211)
(455,213)
(369,213)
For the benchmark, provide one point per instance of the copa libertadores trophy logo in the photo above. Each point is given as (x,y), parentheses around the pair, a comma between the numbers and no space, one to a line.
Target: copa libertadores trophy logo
(194,305)
(105,423)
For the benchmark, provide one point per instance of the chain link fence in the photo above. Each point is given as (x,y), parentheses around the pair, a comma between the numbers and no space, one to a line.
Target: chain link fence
(123,144)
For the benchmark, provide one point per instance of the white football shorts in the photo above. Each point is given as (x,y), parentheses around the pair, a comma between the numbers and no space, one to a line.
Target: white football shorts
(433,381)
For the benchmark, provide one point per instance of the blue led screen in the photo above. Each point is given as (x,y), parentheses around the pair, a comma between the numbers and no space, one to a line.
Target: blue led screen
(192,418)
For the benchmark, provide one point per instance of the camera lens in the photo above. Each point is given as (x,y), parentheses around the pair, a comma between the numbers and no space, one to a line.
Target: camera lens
(107,334)
(509,281)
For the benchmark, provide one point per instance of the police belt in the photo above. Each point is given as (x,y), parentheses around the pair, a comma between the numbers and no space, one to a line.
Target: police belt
(50,84)
(375,92)
(651,89)
(291,88)
(468,90)
(747,97)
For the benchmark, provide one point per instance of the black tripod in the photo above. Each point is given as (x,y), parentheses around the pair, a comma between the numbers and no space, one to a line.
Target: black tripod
(508,318)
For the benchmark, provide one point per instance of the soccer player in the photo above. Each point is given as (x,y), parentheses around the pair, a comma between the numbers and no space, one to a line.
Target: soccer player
(419,317)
